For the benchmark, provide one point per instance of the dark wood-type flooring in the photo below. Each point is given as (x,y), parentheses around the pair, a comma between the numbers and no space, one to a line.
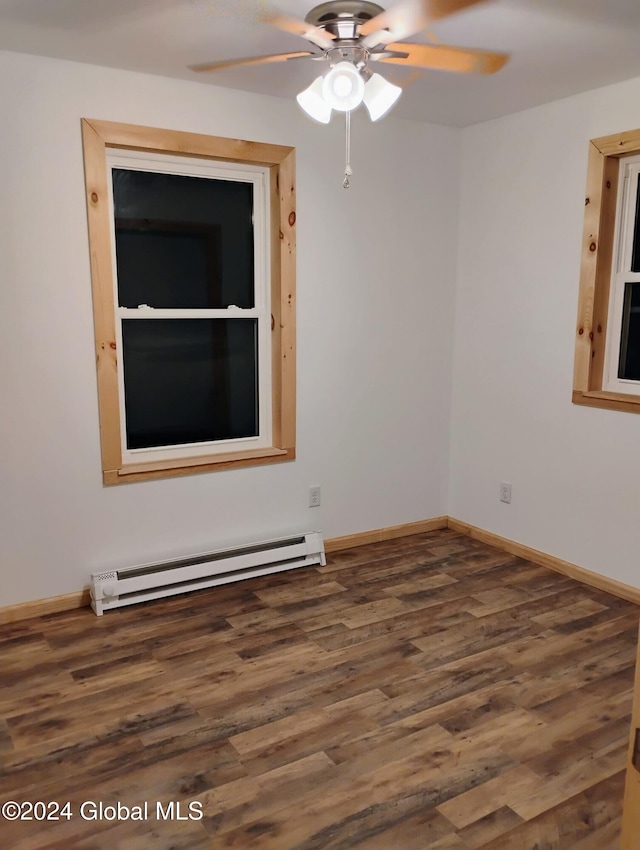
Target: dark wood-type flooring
(424,693)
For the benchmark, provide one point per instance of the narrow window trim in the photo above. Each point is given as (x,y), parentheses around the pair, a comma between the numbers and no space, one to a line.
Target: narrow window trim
(98,138)
(596,274)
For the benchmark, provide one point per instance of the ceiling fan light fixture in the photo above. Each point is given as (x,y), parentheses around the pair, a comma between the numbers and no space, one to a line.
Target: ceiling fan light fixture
(313,102)
(379,96)
(343,87)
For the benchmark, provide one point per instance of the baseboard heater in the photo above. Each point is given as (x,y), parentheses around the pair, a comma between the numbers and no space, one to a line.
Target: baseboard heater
(155,581)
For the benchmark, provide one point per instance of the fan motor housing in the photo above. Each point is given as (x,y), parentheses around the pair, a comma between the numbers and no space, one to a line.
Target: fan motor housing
(343,18)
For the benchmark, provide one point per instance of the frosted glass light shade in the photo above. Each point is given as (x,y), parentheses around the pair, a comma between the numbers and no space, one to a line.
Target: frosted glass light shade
(343,87)
(313,103)
(379,96)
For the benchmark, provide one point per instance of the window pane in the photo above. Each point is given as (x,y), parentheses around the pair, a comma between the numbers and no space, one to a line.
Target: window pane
(629,366)
(183,242)
(189,380)
(635,257)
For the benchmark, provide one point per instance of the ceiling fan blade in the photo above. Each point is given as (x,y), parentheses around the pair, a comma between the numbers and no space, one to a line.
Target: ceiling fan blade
(441,57)
(252,60)
(316,35)
(409,17)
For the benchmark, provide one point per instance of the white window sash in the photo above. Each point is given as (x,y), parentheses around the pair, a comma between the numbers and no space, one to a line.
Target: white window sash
(259,177)
(621,274)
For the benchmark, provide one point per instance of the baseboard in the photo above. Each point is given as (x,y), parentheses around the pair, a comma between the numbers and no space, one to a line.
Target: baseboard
(81,598)
(40,607)
(609,585)
(335,544)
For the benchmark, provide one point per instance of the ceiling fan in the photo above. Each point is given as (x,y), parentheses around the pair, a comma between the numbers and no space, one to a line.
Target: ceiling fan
(351,36)
(359,33)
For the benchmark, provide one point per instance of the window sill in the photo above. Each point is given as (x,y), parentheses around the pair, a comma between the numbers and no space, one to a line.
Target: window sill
(190,466)
(623,402)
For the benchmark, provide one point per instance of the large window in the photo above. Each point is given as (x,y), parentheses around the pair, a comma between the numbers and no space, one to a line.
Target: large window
(193,268)
(607,359)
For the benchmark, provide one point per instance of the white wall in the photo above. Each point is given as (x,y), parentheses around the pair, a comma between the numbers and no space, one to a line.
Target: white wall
(575,471)
(375,296)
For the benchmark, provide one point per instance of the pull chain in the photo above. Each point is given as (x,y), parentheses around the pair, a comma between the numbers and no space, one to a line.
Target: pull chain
(347,167)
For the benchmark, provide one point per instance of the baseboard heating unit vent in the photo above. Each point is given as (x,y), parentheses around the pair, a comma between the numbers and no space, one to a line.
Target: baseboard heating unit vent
(155,581)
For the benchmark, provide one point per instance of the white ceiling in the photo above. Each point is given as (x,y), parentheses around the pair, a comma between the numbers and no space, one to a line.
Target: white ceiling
(557,47)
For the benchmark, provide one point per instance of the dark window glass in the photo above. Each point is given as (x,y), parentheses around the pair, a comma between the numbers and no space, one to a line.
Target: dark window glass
(189,380)
(635,257)
(629,366)
(183,242)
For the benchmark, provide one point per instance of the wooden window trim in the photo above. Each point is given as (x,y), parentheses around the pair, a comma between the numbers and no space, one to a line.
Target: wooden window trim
(595,273)
(97,137)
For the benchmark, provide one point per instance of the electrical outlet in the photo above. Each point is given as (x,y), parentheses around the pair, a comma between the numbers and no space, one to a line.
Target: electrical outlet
(314,497)
(505,492)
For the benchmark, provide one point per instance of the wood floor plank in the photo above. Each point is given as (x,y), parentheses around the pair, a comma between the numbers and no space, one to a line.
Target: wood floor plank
(252,798)
(590,819)
(427,692)
(491,796)
(426,829)
(254,741)
(489,828)
(583,773)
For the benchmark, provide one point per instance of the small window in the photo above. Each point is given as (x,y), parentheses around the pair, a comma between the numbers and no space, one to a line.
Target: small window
(622,364)
(193,274)
(607,354)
